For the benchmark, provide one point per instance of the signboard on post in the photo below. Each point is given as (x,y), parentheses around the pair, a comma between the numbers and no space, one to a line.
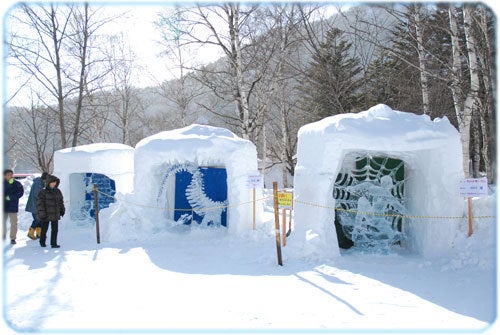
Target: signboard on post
(256,181)
(285,199)
(474,187)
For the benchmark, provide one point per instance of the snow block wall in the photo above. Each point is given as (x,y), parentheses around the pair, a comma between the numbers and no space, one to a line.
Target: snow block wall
(196,175)
(109,165)
(432,163)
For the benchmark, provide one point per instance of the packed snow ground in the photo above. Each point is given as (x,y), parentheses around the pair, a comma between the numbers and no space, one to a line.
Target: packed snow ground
(205,280)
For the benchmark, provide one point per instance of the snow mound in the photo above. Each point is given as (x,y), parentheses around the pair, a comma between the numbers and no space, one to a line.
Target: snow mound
(80,167)
(158,159)
(432,156)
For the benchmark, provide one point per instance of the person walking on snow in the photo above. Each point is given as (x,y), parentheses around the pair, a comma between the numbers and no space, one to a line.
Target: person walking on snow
(50,208)
(38,184)
(12,191)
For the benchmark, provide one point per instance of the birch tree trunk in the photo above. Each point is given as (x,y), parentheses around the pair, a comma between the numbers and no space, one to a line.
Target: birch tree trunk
(486,117)
(463,102)
(421,60)
(82,41)
(284,135)
(264,153)
(239,92)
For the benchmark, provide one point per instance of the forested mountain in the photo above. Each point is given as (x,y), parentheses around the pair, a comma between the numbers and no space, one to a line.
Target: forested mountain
(284,65)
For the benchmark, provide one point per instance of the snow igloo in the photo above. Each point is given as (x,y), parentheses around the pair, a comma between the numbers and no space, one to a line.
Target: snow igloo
(110,166)
(196,175)
(402,167)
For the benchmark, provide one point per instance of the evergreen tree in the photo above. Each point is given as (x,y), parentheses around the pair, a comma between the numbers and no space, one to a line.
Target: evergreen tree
(381,83)
(332,84)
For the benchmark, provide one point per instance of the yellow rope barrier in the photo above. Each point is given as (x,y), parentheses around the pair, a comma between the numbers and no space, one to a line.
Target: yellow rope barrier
(303,203)
(186,209)
(388,214)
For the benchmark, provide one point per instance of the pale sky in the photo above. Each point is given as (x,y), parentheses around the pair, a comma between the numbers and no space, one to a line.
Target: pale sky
(143,38)
(136,25)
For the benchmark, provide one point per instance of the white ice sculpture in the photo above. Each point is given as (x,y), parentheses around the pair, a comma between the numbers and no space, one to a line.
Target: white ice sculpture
(371,228)
(201,204)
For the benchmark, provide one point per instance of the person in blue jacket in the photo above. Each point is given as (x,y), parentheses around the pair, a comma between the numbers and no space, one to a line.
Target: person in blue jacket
(12,191)
(38,184)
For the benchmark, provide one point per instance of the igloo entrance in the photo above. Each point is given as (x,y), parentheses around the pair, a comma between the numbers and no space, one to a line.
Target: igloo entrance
(369,193)
(201,195)
(82,194)
(196,194)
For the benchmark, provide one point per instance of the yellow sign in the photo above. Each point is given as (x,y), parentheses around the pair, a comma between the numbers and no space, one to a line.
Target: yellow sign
(285,199)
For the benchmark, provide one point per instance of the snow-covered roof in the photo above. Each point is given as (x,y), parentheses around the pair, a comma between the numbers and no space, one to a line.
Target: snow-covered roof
(193,140)
(380,127)
(194,131)
(95,147)
(105,158)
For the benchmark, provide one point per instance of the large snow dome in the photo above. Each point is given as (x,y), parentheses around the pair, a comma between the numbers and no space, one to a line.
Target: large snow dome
(108,165)
(196,175)
(403,166)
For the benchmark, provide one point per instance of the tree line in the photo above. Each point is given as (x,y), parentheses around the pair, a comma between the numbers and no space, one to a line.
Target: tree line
(282,66)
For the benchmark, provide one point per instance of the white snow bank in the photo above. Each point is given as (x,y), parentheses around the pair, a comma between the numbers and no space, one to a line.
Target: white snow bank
(159,157)
(477,250)
(430,150)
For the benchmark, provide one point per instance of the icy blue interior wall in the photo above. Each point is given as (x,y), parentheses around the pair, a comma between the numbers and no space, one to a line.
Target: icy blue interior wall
(195,193)
(107,190)
(201,196)
(83,183)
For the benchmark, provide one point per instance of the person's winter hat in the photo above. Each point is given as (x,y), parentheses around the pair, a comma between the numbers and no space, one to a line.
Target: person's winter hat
(44,175)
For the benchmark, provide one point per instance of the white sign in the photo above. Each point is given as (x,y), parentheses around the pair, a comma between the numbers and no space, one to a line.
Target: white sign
(473,187)
(255,181)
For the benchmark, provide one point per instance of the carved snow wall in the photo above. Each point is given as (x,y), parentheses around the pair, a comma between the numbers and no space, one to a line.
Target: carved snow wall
(108,165)
(197,175)
(430,152)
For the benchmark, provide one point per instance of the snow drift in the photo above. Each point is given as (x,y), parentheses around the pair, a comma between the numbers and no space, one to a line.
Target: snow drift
(432,156)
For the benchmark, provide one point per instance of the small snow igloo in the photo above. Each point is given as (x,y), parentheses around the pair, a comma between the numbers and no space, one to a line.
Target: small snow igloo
(196,175)
(108,165)
(375,179)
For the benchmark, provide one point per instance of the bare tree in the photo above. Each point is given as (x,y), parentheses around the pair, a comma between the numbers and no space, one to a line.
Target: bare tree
(233,29)
(183,90)
(39,52)
(465,99)
(52,44)
(36,143)
(90,71)
(284,33)
(122,104)
(484,27)
(458,66)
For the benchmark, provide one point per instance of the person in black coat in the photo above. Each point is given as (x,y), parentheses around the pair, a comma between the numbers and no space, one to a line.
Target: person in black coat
(12,191)
(50,208)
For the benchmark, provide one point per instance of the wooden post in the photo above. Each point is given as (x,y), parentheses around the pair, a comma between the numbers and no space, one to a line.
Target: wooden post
(254,208)
(277,222)
(290,222)
(283,226)
(96,210)
(469,206)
